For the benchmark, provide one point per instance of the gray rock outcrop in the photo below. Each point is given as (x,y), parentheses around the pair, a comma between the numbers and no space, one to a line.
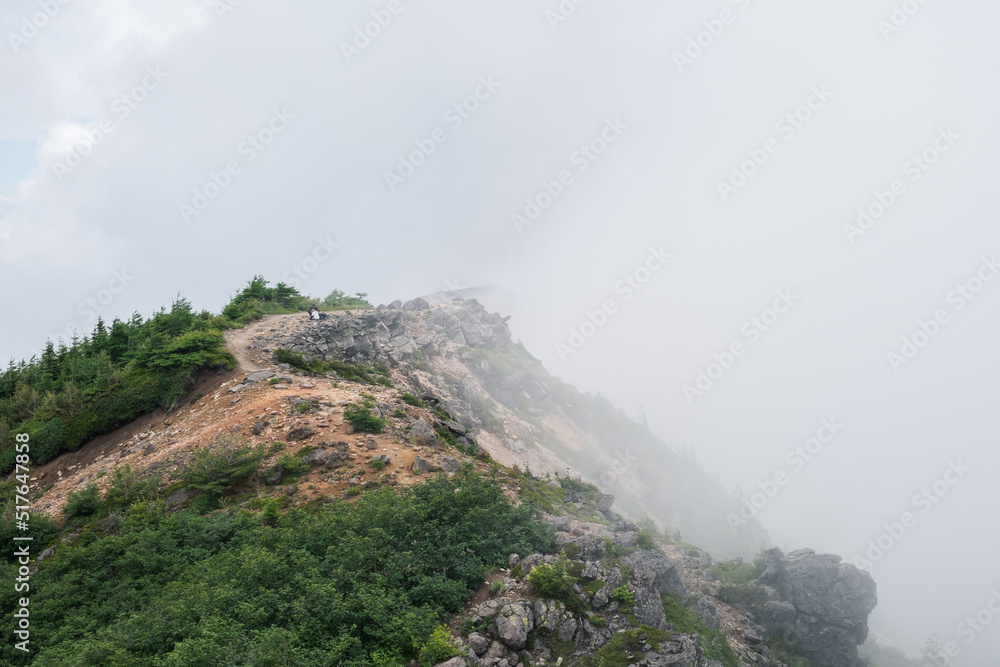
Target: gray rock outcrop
(824,604)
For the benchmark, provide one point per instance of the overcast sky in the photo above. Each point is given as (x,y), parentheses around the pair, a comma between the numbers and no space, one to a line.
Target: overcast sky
(666,171)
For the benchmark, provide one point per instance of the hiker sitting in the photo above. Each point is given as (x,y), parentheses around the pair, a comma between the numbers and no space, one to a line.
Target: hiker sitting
(313,313)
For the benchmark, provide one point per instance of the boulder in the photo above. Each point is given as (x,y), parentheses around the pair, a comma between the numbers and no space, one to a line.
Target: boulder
(336,460)
(316,457)
(708,614)
(658,572)
(604,502)
(494,655)
(831,599)
(550,614)
(454,662)
(300,433)
(513,624)
(422,432)
(416,304)
(421,465)
(774,614)
(683,651)
(625,539)
(478,643)
(450,464)
(648,608)
(456,428)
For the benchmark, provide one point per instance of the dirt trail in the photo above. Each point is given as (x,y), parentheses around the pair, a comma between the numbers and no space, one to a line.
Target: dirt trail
(249,359)
(238,340)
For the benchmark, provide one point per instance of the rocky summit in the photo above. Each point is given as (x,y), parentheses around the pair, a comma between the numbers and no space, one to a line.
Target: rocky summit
(399,395)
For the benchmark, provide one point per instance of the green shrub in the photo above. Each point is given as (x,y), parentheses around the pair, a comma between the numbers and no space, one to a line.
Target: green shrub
(398,414)
(572,550)
(41,530)
(377,374)
(785,652)
(746,596)
(214,472)
(362,420)
(737,571)
(622,650)
(355,584)
(337,300)
(271,511)
(439,647)
(129,486)
(446,436)
(623,596)
(552,581)
(644,540)
(410,399)
(289,467)
(686,620)
(84,503)
(378,464)
(578,485)
(70,395)
(613,551)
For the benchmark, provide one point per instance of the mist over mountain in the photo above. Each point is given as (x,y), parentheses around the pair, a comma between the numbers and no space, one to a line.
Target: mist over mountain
(747,251)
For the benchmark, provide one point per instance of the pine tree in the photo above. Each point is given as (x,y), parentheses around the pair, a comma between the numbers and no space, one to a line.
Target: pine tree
(933,651)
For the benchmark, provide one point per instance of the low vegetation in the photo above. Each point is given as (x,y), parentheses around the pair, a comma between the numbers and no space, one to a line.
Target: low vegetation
(99,382)
(617,652)
(362,419)
(354,584)
(552,581)
(686,620)
(738,571)
(375,374)
(785,652)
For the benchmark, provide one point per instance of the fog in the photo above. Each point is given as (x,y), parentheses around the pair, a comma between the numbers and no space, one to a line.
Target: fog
(760,222)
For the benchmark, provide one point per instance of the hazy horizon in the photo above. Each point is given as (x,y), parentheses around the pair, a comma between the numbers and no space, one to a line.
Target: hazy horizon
(766,224)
